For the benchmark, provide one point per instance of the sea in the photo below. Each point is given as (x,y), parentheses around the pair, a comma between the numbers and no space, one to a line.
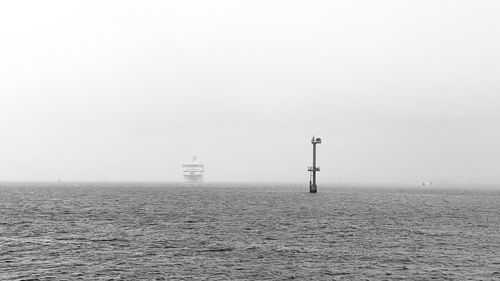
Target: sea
(241,231)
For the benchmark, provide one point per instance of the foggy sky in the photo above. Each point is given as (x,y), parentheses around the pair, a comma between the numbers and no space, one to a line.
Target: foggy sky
(399,91)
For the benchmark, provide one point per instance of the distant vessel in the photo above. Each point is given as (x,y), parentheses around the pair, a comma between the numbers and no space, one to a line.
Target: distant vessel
(193,172)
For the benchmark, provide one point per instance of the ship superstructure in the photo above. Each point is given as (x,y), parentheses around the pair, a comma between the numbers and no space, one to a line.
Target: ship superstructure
(193,172)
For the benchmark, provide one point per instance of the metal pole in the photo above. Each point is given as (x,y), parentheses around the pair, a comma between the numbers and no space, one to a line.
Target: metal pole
(314,166)
(312,187)
(312,184)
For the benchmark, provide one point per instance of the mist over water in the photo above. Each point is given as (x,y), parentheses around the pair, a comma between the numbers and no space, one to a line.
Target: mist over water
(116,92)
(126,90)
(167,231)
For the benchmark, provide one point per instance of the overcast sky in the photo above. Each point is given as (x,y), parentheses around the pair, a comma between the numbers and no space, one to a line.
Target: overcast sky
(399,91)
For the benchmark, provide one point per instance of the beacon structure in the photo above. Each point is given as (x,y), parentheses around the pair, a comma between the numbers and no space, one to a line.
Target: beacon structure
(313,188)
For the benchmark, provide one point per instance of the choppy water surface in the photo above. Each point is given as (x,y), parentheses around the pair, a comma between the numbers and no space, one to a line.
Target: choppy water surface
(260,232)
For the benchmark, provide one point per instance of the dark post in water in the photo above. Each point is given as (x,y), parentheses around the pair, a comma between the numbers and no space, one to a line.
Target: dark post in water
(312,183)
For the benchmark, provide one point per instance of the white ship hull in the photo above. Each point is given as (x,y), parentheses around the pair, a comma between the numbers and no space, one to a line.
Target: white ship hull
(193,178)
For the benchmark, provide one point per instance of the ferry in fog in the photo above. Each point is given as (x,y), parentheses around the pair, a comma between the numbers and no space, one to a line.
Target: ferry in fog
(193,172)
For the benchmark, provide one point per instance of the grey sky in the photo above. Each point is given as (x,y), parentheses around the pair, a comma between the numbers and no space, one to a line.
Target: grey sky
(400,91)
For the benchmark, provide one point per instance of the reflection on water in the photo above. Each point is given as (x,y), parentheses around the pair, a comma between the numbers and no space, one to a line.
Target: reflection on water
(261,232)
